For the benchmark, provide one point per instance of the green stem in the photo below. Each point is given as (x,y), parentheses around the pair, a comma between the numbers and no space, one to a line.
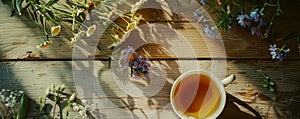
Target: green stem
(281,49)
(275,14)
(56,103)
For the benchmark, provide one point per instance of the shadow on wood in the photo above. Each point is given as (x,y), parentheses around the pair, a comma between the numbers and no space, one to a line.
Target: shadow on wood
(232,111)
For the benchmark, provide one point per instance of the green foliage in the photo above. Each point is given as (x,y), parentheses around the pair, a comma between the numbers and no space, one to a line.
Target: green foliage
(58,96)
(269,84)
(71,16)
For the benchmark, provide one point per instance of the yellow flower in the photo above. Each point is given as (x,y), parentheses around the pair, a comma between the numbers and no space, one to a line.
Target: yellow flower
(131,25)
(91,30)
(45,44)
(90,6)
(55,30)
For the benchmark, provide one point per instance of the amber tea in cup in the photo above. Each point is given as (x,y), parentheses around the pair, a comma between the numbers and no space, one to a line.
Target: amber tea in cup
(197,94)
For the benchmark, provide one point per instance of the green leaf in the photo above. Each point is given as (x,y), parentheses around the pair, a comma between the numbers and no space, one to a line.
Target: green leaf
(265,84)
(50,13)
(271,89)
(67,111)
(266,76)
(23,107)
(42,106)
(12,8)
(44,22)
(51,2)
(63,11)
(271,83)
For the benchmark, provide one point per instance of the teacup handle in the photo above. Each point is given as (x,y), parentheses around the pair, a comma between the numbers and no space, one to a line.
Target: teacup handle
(228,80)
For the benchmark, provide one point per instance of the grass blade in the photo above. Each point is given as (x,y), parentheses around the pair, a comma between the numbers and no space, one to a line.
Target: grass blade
(23,107)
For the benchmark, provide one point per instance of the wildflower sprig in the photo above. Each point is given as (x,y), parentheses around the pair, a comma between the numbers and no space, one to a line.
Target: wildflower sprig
(70,16)
(58,96)
(11,99)
(269,84)
(257,16)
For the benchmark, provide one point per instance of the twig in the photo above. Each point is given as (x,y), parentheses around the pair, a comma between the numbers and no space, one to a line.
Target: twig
(7,110)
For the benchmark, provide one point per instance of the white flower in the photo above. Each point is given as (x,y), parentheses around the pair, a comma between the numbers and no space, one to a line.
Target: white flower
(76,108)
(74,104)
(76,37)
(84,102)
(72,97)
(90,31)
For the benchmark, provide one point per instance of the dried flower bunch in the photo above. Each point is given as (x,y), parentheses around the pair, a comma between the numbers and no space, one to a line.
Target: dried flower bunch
(139,66)
(257,16)
(71,16)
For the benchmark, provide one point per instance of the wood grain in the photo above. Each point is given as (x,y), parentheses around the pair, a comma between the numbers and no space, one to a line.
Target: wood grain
(34,77)
(19,35)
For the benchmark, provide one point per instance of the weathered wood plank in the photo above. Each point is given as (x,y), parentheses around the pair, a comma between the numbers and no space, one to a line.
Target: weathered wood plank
(238,43)
(34,77)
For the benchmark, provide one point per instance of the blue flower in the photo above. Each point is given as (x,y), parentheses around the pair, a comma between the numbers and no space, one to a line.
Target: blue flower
(199,16)
(278,53)
(126,58)
(243,20)
(211,33)
(202,2)
(255,15)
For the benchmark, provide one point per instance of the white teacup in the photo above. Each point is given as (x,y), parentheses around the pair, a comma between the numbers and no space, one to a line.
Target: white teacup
(199,94)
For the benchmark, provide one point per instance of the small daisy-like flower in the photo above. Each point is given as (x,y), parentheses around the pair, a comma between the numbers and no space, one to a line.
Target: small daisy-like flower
(141,67)
(243,20)
(126,58)
(90,31)
(45,44)
(210,32)
(55,30)
(278,53)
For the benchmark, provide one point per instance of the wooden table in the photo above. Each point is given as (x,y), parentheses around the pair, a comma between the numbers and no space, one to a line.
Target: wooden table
(246,56)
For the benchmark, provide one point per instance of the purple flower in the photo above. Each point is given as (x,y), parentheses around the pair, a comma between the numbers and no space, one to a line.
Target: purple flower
(255,31)
(141,67)
(211,33)
(243,20)
(262,22)
(126,58)
(278,53)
